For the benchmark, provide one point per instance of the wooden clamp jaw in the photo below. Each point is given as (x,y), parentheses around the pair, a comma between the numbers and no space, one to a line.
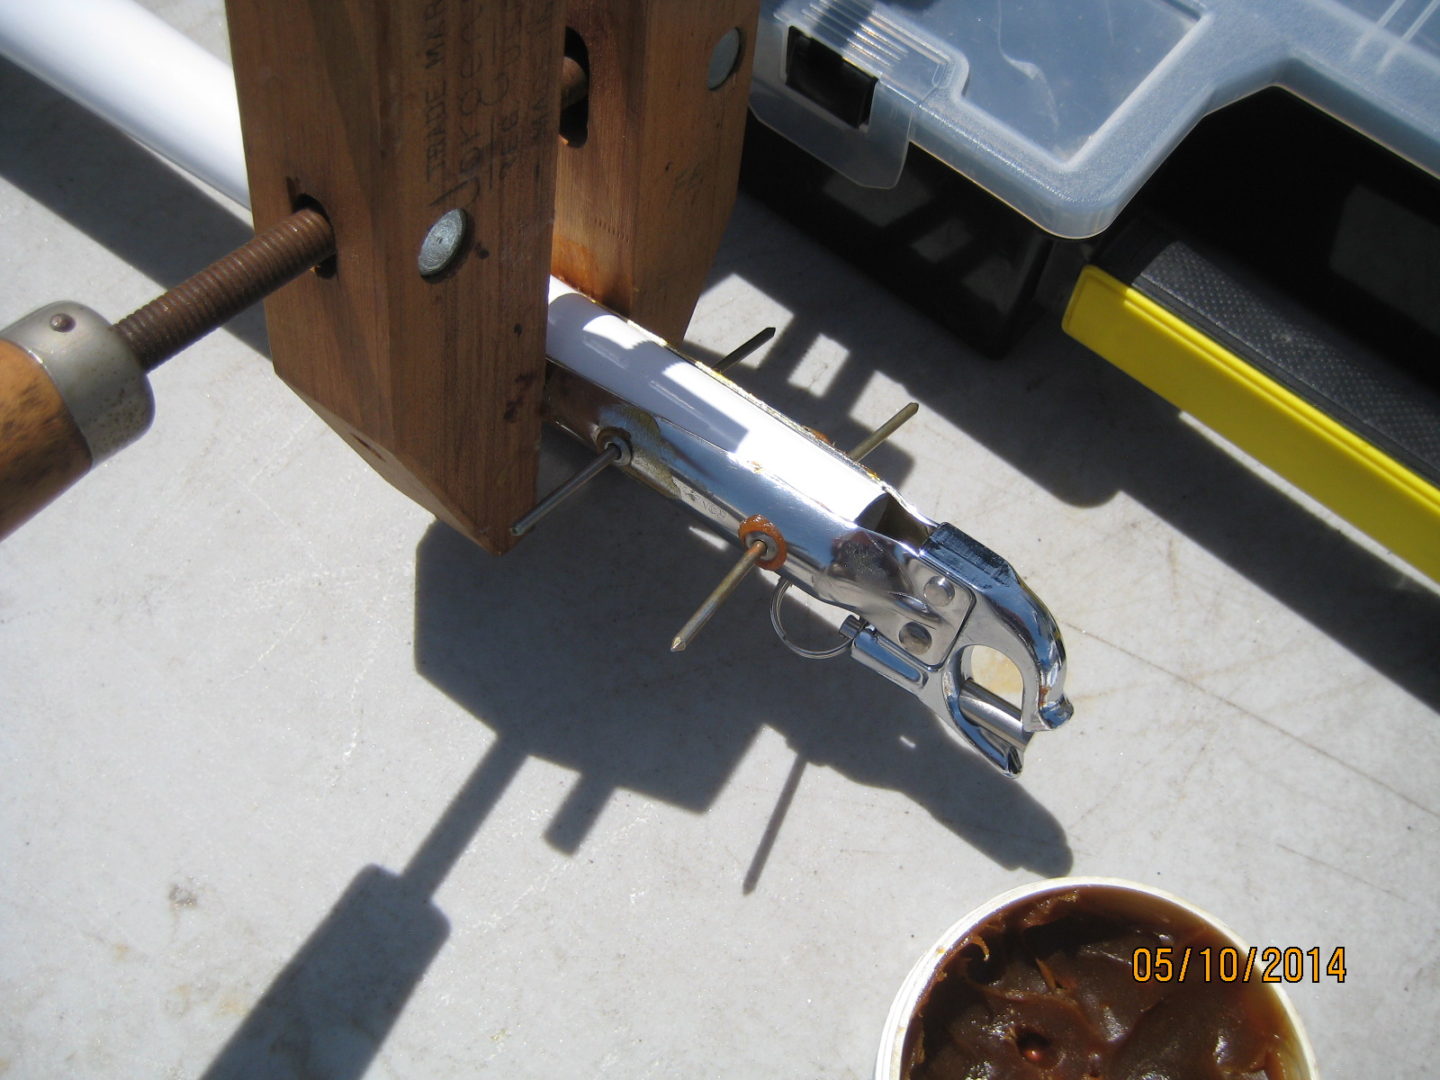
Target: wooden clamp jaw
(642,201)
(388,115)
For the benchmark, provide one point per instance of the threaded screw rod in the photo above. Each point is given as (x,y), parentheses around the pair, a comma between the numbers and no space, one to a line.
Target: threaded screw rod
(204,302)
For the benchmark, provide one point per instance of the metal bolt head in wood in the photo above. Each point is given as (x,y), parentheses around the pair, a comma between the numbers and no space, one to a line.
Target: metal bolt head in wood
(443,243)
(723,58)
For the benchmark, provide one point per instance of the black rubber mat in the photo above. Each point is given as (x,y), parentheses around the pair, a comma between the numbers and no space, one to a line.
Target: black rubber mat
(1294,345)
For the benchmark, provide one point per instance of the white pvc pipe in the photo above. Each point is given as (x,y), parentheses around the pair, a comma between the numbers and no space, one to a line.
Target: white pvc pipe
(616,355)
(133,69)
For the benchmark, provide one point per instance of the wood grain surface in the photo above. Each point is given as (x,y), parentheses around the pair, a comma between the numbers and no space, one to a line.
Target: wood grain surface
(41,450)
(385,116)
(642,203)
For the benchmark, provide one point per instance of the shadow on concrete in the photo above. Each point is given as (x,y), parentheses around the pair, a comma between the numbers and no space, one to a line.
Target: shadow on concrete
(330,1009)
(581,676)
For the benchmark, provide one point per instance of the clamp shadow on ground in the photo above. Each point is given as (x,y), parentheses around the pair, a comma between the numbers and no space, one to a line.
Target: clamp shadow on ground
(561,649)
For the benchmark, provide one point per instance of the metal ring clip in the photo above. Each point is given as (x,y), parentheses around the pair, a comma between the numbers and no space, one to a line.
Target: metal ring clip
(781,587)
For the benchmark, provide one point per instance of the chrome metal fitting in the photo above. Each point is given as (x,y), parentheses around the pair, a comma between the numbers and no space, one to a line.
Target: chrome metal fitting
(923,595)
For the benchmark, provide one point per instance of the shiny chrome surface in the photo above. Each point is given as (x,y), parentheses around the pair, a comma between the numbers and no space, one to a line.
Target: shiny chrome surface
(922,594)
(1004,615)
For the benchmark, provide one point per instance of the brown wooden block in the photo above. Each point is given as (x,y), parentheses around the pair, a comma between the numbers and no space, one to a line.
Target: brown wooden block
(642,204)
(387,115)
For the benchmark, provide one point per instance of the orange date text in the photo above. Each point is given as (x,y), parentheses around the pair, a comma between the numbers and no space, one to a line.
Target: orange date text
(1228,964)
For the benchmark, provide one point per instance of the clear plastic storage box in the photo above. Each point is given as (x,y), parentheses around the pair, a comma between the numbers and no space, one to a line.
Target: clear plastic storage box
(1062,108)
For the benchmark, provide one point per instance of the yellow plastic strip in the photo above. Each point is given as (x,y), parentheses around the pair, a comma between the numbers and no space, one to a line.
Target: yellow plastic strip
(1276,426)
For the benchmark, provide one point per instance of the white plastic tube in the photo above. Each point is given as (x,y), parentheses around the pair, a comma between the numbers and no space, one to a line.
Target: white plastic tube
(627,360)
(132,68)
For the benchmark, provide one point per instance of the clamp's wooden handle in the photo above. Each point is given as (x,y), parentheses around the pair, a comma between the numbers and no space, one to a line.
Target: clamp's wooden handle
(42,451)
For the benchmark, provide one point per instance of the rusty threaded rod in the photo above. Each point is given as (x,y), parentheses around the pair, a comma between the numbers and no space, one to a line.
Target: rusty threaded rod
(226,287)
(252,271)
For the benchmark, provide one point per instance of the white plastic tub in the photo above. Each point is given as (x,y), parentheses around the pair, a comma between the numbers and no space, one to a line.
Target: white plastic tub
(1128,898)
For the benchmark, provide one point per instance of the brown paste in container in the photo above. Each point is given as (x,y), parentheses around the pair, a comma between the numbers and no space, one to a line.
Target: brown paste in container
(1045,988)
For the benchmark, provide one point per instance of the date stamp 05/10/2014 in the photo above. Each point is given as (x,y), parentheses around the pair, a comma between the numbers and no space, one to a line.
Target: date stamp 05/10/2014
(1229,964)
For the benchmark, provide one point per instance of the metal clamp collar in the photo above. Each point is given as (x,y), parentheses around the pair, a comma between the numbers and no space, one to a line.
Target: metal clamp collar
(101,382)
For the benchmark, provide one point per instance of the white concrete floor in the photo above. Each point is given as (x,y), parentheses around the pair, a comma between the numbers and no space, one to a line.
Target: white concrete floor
(296,782)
